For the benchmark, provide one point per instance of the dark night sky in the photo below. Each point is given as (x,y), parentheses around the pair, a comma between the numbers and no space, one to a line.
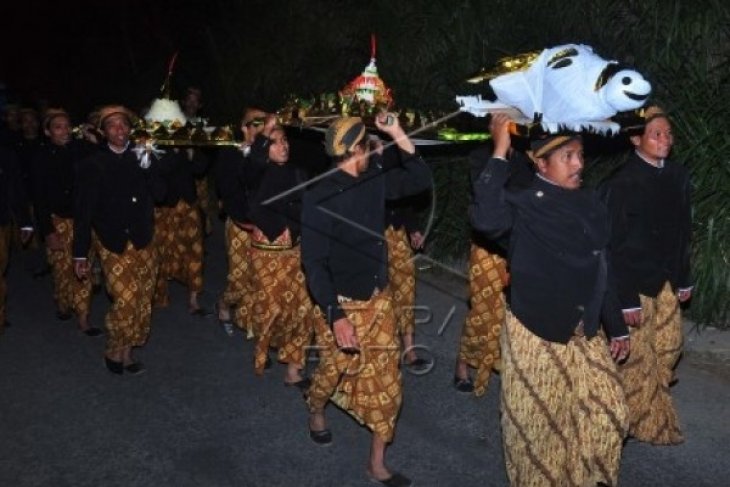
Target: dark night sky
(82,53)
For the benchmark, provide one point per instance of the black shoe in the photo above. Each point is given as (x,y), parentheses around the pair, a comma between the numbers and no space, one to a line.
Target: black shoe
(302,384)
(201,312)
(41,272)
(464,385)
(114,366)
(63,315)
(93,332)
(135,368)
(418,365)
(395,480)
(321,438)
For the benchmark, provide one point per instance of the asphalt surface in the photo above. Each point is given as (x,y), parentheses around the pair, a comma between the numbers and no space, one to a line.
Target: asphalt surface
(200,417)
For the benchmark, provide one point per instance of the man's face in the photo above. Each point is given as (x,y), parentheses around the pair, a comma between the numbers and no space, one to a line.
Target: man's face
(564,166)
(116,130)
(278,147)
(656,141)
(59,130)
(362,152)
(252,124)
(192,103)
(29,124)
(12,118)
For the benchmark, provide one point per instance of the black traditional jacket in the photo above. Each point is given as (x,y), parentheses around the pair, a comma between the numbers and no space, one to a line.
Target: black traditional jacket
(343,226)
(560,274)
(53,174)
(651,228)
(116,198)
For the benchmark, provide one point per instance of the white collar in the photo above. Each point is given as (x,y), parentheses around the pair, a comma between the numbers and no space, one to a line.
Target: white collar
(659,165)
(116,151)
(546,179)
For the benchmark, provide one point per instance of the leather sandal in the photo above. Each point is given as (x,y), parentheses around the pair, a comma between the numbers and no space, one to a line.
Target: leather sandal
(395,480)
(321,438)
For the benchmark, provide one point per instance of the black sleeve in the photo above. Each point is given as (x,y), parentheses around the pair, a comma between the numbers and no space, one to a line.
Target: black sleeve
(230,185)
(490,213)
(316,232)
(18,199)
(614,197)
(41,208)
(87,194)
(411,177)
(158,172)
(259,155)
(611,315)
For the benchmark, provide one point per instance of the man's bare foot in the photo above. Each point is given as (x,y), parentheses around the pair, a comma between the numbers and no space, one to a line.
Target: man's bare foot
(317,421)
(379,472)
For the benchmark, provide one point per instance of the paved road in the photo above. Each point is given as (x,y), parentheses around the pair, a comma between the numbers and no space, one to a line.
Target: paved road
(199,416)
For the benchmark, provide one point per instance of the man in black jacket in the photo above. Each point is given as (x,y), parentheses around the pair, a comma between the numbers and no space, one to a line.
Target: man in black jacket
(53,177)
(234,183)
(179,229)
(13,209)
(116,198)
(649,202)
(563,409)
(346,265)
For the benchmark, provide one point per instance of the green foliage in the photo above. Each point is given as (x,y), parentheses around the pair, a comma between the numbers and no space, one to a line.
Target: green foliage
(262,51)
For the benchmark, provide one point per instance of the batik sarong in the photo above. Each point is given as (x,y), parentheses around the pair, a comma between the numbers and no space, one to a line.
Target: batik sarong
(130,281)
(647,373)
(70,293)
(282,309)
(238,295)
(180,247)
(366,385)
(479,345)
(564,415)
(402,278)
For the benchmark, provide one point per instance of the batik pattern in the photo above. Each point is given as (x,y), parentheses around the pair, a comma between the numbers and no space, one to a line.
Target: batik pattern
(70,292)
(282,317)
(402,279)
(564,415)
(366,385)
(130,281)
(479,345)
(238,294)
(649,370)
(180,246)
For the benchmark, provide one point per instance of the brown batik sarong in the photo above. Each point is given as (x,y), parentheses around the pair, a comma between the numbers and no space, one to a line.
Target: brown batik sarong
(648,371)
(5,237)
(366,385)
(402,278)
(564,416)
(282,316)
(130,282)
(479,345)
(180,247)
(69,292)
(238,294)
(202,191)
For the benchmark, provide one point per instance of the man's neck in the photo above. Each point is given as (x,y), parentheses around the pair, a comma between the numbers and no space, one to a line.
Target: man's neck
(349,166)
(117,149)
(650,160)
